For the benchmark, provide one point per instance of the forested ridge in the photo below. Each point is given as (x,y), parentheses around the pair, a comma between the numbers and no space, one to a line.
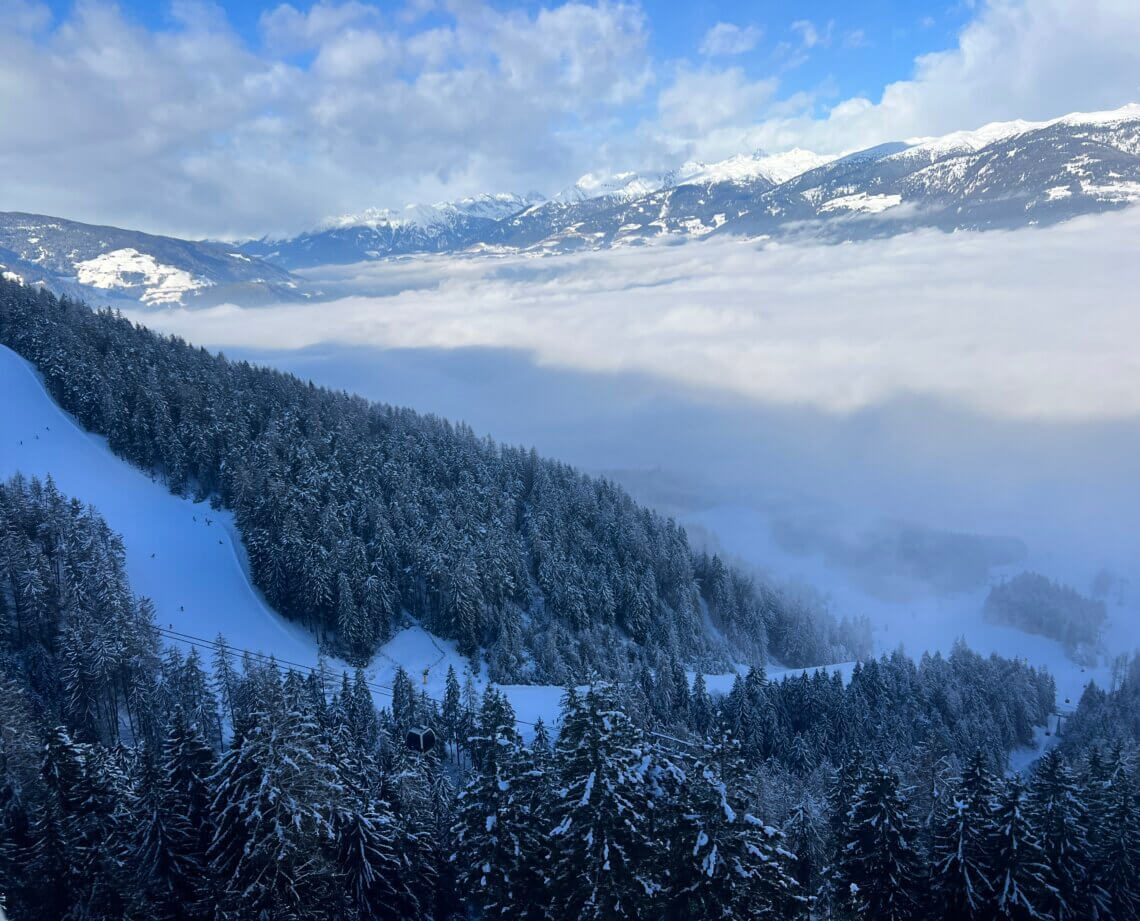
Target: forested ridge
(356,514)
(137,784)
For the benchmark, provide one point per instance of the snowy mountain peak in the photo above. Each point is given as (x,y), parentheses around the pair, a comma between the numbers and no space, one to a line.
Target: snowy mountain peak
(1126,113)
(624,186)
(492,206)
(973,141)
(776,168)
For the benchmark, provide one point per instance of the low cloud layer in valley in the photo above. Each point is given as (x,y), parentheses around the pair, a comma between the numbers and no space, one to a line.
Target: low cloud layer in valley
(899,422)
(1014,324)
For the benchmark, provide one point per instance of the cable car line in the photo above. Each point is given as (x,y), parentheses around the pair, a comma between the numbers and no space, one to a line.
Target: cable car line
(203,643)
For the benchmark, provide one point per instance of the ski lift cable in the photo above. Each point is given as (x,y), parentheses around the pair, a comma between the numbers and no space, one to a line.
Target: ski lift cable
(213,645)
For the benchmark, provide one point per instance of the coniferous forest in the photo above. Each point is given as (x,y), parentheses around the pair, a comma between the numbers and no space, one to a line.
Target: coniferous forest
(211,784)
(356,515)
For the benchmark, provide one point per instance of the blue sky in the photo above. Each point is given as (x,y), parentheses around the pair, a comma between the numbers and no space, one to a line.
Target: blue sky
(236,118)
(860,47)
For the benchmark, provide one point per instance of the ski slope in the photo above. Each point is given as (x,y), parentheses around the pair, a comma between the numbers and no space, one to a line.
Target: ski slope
(189,560)
(187,557)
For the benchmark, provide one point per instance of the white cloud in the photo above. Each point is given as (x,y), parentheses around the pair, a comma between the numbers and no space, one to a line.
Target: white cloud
(287,27)
(810,36)
(701,105)
(985,321)
(1032,59)
(726,38)
(26,16)
(192,129)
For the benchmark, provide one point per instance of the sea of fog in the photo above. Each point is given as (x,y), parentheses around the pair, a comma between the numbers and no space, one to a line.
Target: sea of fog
(888,426)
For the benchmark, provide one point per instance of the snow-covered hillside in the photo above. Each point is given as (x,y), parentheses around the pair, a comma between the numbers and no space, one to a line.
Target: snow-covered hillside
(101,263)
(188,559)
(774,168)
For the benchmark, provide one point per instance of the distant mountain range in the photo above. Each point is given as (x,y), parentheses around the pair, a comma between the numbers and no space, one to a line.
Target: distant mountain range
(1008,174)
(1004,175)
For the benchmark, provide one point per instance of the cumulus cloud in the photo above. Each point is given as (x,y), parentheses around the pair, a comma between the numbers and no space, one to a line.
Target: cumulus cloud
(726,38)
(810,35)
(701,105)
(191,128)
(1024,324)
(1032,59)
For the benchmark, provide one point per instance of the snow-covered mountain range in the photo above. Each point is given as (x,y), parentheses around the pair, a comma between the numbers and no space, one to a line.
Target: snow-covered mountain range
(378,232)
(1002,175)
(1007,174)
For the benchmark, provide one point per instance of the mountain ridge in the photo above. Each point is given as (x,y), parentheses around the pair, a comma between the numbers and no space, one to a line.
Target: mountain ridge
(1002,175)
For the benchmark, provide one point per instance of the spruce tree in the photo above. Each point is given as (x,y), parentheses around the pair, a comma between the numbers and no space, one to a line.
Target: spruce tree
(881,866)
(272,792)
(1021,887)
(725,862)
(961,871)
(1115,860)
(451,715)
(487,845)
(601,822)
(1059,819)
(367,863)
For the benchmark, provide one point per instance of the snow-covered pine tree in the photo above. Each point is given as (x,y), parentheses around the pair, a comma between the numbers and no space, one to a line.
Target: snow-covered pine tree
(487,846)
(849,780)
(1021,886)
(805,833)
(601,826)
(196,700)
(60,864)
(367,864)
(162,855)
(881,866)
(528,817)
(451,715)
(225,680)
(173,827)
(188,765)
(1058,817)
(362,720)
(81,836)
(273,793)
(959,884)
(700,707)
(1115,864)
(403,703)
(725,862)
(961,873)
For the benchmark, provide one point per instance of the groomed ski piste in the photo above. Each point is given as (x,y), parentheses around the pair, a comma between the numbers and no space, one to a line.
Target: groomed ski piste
(189,560)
